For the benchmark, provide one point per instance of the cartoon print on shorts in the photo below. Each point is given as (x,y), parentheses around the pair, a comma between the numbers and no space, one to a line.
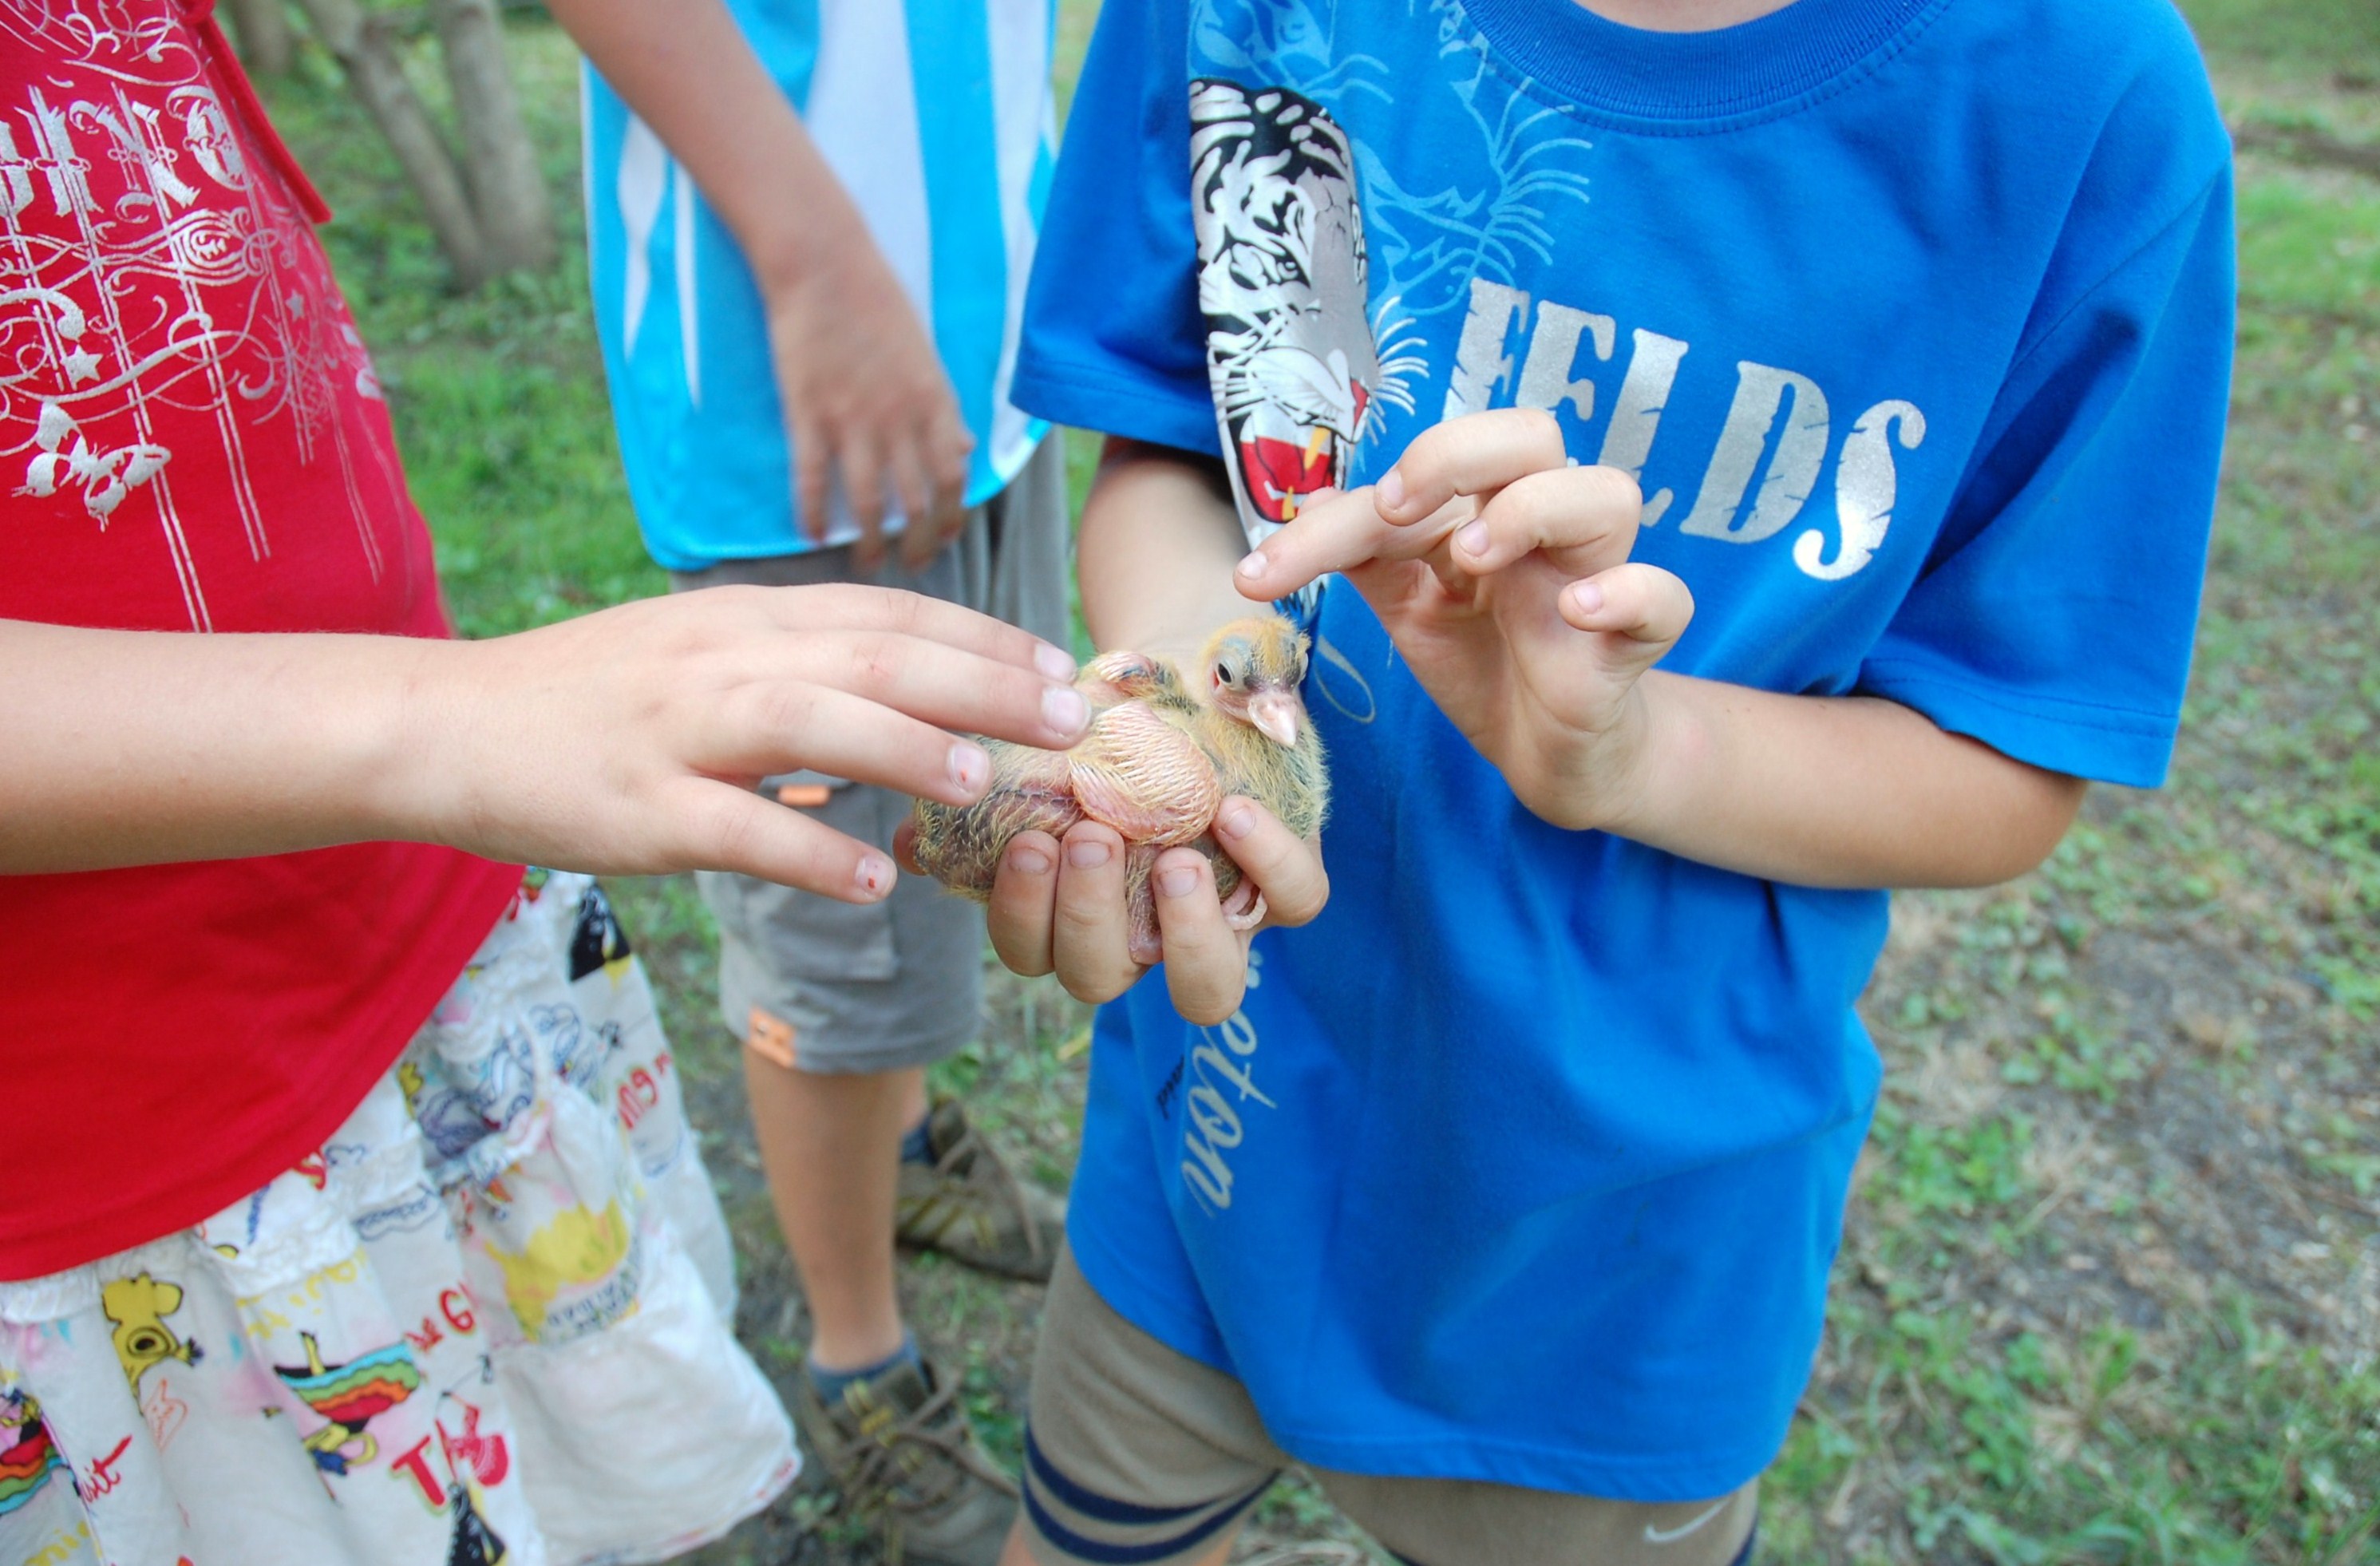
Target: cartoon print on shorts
(598,941)
(576,1050)
(474,1543)
(349,1396)
(1296,367)
(580,1253)
(138,1307)
(456,1115)
(28,1455)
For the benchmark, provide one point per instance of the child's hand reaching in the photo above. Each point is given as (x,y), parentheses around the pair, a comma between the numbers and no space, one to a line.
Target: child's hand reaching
(1501,572)
(627,741)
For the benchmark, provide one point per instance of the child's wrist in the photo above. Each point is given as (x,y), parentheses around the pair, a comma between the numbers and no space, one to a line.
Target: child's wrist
(1636,792)
(788,251)
(413,759)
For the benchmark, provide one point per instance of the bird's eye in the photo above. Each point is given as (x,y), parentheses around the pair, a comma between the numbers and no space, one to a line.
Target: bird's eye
(1224,676)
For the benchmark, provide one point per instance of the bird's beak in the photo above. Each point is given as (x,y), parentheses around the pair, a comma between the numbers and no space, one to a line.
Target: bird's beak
(1275,711)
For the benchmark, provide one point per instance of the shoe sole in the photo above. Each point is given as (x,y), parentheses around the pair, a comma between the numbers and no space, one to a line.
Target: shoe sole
(1021,1274)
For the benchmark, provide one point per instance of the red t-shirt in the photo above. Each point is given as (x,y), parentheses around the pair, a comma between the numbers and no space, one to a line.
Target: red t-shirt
(191,438)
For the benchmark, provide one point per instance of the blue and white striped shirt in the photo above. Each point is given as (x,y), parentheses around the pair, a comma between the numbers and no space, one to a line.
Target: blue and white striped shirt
(937,117)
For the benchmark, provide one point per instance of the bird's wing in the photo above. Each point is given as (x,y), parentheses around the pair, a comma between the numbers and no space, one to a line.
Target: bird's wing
(1145,777)
(961,845)
(1113,679)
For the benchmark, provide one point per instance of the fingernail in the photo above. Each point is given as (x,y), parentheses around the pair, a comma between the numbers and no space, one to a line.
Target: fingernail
(1253,565)
(1027,860)
(1052,662)
(1063,708)
(874,874)
(1236,821)
(1392,491)
(1473,539)
(1087,854)
(1177,881)
(969,766)
(1587,596)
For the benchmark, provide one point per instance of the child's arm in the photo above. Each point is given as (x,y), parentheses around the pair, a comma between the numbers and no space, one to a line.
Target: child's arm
(1560,696)
(865,394)
(1158,544)
(1502,575)
(627,741)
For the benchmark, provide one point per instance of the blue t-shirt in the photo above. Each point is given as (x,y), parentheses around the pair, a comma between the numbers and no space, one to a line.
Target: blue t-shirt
(936,117)
(1526,1161)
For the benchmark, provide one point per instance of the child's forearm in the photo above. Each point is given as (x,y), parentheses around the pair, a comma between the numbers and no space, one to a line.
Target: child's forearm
(1155,553)
(865,397)
(1817,791)
(688,73)
(1832,791)
(128,748)
(627,741)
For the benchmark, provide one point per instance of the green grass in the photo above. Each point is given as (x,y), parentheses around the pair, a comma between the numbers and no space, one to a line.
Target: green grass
(2110,1290)
(498,398)
(2341,35)
(2310,253)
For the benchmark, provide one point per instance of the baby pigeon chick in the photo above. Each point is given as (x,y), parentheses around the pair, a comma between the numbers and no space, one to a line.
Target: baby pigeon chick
(1156,763)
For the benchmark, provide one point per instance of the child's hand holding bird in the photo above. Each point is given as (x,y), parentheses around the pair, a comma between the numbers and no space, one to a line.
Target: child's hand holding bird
(1165,748)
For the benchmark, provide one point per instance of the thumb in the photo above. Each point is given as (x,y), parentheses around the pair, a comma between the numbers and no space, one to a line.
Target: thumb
(1640,612)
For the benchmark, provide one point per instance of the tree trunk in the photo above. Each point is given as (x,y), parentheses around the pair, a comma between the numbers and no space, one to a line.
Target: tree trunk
(360,45)
(499,161)
(266,46)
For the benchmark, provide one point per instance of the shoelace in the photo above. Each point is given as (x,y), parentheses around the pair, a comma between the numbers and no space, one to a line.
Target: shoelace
(961,1155)
(880,1479)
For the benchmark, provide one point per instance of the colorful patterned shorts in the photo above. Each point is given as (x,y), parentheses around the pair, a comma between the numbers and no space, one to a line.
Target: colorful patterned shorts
(485,1322)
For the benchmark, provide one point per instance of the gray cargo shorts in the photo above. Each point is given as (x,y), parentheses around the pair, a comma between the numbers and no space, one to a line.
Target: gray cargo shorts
(822,986)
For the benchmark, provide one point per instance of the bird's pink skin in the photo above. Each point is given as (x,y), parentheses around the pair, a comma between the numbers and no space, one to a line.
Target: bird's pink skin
(1145,778)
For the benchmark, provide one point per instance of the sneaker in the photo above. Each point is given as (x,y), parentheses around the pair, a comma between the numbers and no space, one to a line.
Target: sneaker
(969,1205)
(899,1448)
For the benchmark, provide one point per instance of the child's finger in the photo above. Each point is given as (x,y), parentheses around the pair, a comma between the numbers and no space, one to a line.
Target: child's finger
(726,828)
(919,679)
(851,606)
(1471,456)
(1330,532)
(862,466)
(1091,937)
(948,446)
(1206,964)
(811,466)
(914,492)
(1646,608)
(1286,868)
(927,534)
(1024,906)
(797,725)
(904,848)
(939,458)
(1584,518)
